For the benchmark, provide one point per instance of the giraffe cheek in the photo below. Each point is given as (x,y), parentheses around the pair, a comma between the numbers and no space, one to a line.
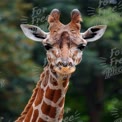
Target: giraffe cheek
(49,59)
(79,60)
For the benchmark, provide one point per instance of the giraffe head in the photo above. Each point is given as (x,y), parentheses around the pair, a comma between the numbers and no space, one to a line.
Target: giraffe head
(64,43)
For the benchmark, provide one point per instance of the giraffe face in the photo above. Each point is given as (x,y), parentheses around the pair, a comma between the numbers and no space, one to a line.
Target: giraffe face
(64,43)
(64,49)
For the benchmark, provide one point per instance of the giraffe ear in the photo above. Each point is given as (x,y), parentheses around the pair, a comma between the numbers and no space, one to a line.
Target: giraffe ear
(33,32)
(94,33)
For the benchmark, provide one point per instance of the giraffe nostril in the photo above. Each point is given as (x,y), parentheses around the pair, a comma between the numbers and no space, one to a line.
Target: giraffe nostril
(70,64)
(59,64)
(64,64)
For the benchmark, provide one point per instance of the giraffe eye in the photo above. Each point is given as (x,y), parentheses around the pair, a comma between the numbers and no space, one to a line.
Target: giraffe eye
(48,46)
(81,47)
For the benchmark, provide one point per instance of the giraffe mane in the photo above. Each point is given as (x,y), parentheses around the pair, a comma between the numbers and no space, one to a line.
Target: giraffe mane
(30,102)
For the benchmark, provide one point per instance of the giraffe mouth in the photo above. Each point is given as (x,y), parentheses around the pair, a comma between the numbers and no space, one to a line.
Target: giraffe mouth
(65,70)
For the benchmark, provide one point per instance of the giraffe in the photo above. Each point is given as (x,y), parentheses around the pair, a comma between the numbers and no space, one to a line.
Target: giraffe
(64,46)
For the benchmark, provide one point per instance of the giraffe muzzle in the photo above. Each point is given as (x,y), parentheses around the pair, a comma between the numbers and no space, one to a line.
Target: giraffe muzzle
(64,67)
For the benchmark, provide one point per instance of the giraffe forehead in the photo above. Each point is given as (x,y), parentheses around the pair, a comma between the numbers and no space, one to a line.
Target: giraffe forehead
(65,36)
(64,28)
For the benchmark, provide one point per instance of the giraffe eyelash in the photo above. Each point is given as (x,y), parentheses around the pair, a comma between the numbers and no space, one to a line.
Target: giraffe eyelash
(81,47)
(48,46)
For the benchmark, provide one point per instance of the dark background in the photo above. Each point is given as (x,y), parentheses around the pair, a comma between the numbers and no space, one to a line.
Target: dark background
(95,92)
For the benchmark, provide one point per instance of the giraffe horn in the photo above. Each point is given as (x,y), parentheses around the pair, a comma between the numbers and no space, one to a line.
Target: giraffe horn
(76,16)
(54,16)
(75,20)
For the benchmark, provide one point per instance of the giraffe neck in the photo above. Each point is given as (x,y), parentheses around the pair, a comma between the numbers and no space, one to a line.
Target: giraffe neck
(48,102)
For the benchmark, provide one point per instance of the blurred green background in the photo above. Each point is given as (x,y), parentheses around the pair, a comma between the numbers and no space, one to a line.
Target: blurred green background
(95,92)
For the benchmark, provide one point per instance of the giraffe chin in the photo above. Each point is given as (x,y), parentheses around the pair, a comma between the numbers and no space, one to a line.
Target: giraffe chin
(65,70)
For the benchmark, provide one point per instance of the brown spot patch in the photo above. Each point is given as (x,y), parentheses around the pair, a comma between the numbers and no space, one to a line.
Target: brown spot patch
(65,83)
(40,96)
(29,114)
(53,81)
(52,113)
(76,53)
(45,81)
(48,110)
(41,120)
(53,95)
(42,76)
(36,113)
(54,53)
(49,93)
(57,95)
